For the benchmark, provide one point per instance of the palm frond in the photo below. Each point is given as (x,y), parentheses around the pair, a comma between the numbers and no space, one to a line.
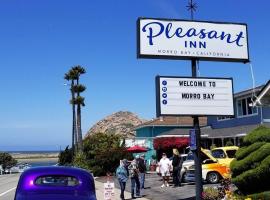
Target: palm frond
(78,88)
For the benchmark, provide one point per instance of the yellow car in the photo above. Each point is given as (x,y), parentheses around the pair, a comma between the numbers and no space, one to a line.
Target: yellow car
(212,170)
(224,155)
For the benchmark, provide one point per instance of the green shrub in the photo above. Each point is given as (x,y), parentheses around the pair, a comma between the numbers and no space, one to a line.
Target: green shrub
(250,169)
(245,151)
(103,153)
(65,157)
(260,134)
(229,143)
(260,196)
(251,161)
(6,160)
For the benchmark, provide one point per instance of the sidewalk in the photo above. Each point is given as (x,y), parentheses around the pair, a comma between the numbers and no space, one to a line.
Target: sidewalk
(100,192)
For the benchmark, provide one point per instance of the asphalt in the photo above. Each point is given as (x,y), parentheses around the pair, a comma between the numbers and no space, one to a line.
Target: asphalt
(8,184)
(153,190)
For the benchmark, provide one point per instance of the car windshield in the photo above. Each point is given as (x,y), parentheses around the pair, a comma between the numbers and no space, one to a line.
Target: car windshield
(218,153)
(56,180)
(231,153)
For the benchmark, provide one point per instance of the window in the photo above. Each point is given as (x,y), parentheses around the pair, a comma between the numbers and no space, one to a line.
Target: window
(56,180)
(218,153)
(244,108)
(231,153)
(224,118)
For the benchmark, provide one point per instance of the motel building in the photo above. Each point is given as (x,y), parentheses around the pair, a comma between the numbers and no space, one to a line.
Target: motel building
(165,133)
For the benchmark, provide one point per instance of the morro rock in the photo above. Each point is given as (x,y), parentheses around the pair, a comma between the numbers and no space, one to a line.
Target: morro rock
(122,123)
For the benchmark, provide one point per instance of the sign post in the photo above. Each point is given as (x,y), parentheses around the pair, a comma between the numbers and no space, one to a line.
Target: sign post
(197,151)
(192,40)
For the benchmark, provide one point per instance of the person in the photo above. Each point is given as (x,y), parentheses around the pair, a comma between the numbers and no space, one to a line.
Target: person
(177,162)
(122,176)
(142,170)
(134,177)
(164,168)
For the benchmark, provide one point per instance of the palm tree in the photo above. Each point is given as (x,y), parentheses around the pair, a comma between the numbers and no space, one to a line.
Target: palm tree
(79,101)
(71,76)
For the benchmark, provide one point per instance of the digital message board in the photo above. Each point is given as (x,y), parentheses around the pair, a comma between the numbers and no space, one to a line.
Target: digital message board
(194,96)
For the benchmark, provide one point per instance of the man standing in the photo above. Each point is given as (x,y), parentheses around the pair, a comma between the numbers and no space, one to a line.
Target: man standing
(164,168)
(134,177)
(142,170)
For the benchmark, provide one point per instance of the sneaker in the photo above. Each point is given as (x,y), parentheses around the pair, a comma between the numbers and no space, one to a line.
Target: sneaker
(167,185)
(163,186)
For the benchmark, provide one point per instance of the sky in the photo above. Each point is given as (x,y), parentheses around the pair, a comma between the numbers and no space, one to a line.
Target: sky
(41,40)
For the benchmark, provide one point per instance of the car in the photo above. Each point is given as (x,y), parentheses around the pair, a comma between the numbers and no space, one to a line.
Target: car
(224,155)
(212,170)
(19,168)
(55,183)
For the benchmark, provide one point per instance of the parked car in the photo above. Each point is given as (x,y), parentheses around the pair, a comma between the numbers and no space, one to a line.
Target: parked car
(58,183)
(224,155)
(19,168)
(1,170)
(212,170)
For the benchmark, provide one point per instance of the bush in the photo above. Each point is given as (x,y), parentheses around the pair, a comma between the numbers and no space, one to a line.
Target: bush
(229,143)
(6,160)
(260,134)
(103,152)
(65,157)
(250,169)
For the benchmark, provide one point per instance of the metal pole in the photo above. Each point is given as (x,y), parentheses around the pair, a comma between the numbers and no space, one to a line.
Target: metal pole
(196,153)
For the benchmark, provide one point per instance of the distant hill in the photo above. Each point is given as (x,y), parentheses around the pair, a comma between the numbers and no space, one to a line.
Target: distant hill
(121,123)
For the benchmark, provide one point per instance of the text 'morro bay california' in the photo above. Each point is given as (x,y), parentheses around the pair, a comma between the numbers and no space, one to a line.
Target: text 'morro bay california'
(180,39)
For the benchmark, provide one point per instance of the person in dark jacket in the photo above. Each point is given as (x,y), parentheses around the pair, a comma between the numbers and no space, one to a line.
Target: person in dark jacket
(177,163)
(142,170)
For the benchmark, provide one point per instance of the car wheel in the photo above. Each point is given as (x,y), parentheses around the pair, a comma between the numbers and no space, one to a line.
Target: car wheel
(183,179)
(212,177)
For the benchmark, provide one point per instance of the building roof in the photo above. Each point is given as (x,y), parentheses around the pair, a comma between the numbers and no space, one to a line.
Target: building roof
(237,131)
(208,132)
(263,97)
(172,121)
(248,91)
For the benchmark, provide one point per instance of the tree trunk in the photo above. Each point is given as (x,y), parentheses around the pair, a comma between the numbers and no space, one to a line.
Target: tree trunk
(74,128)
(79,129)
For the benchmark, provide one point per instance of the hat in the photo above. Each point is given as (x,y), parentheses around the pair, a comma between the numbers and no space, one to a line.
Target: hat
(137,156)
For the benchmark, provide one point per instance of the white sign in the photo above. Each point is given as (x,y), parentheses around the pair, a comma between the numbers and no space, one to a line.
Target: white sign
(109,191)
(194,96)
(179,39)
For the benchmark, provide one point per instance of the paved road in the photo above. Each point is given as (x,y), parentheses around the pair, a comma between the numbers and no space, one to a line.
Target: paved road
(8,184)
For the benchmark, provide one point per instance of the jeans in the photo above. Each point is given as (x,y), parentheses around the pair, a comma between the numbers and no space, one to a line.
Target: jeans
(142,179)
(135,183)
(176,177)
(123,187)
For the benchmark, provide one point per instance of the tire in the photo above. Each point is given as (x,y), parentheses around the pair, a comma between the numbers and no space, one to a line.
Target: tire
(213,177)
(183,178)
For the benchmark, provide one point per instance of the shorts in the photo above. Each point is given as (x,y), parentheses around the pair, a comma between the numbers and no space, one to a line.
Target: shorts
(167,173)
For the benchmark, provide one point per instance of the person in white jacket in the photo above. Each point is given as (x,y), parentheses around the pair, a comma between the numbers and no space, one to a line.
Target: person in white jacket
(164,168)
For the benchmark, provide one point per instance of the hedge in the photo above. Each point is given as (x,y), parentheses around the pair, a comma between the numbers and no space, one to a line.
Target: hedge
(251,168)
(254,180)
(245,151)
(260,134)
(251,161)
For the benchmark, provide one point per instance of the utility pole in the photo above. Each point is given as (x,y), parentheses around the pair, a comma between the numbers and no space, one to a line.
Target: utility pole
(197,152)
